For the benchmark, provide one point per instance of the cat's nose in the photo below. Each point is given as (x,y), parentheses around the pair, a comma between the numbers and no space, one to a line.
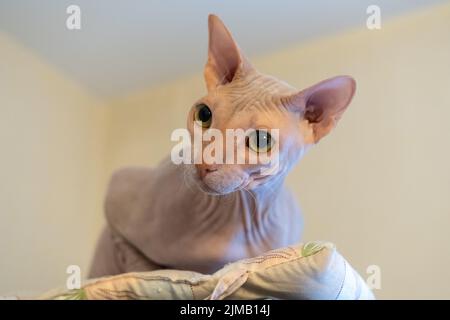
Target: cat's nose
(204,170)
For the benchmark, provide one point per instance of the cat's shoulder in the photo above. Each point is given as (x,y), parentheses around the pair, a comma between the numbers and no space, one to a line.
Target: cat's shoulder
(130,188)
(125,188)
(126,178)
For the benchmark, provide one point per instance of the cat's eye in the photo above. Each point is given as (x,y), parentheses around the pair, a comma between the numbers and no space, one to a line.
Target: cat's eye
(203,115)
(260,141)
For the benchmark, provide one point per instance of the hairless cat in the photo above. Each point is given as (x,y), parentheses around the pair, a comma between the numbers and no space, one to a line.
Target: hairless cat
(202,216)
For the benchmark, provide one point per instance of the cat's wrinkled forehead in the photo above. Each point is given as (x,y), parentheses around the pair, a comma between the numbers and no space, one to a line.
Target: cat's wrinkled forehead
(254,91)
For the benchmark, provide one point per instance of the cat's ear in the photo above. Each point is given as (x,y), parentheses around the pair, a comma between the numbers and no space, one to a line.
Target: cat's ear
(323,104)
(225,59)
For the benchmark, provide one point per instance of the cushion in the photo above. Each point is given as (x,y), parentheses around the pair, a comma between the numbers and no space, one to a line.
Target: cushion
(313,270)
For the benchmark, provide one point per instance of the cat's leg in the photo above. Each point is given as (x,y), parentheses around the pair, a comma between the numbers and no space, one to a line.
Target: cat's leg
(114,255)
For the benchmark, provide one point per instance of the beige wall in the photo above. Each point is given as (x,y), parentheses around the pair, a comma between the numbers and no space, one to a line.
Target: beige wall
(378,186)
(52,138)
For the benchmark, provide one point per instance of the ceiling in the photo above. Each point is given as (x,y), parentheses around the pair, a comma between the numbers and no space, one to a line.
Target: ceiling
(125,46)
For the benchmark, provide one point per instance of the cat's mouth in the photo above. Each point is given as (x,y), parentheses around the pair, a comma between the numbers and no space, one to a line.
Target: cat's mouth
(220,182)
(223,182)
(210,185)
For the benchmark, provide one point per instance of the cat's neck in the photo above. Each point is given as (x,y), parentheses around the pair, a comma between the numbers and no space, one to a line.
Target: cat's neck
(161,214)
(189,203)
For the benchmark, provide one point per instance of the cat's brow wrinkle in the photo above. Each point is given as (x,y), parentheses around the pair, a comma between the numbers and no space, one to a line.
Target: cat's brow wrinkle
(256,92)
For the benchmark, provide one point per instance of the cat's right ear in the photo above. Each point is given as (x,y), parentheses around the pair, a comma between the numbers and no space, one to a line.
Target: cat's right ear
(225,59)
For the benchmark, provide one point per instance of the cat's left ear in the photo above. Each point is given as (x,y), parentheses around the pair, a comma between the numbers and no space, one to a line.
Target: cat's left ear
(225,59)
(323,104)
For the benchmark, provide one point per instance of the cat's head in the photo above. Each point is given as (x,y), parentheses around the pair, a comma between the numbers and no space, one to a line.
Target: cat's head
(239,97)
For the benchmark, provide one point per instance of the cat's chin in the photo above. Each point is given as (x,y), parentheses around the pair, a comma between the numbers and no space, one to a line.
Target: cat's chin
(220,182)
(211,191)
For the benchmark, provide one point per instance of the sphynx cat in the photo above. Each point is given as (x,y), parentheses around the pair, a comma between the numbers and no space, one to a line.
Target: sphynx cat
(202,216)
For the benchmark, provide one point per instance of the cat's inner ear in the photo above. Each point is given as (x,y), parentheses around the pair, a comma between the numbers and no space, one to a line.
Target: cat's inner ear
(225,59)
(323,104)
